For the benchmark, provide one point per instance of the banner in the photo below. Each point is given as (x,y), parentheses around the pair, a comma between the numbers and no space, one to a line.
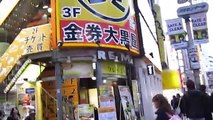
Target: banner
(80,69)
(97,23)
(209,75)
(176,33)
(199,26)
(127,103)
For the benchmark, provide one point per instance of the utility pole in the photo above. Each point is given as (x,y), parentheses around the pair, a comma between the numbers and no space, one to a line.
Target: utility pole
(185,13)
(59,80)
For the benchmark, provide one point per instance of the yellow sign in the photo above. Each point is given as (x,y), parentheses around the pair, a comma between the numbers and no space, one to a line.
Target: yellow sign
(112,68)
(171,79)
(29,40)
(97,23)
(37,39)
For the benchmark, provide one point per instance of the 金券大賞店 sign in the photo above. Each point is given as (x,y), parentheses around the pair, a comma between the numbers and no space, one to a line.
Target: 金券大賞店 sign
(97,23)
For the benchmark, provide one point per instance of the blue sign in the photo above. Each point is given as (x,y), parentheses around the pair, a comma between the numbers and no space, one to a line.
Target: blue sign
(30,90)
(192,9)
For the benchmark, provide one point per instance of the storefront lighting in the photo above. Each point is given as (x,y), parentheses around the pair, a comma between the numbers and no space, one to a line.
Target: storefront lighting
(45,7)
(49,10)
(17,75)
(104,81)
(94,66)
(93,78)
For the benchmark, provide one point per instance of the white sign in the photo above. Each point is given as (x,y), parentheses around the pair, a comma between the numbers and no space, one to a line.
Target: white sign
(199,21)
(192,9)
(199,26)
(176,32)
(174,26)
(193,58)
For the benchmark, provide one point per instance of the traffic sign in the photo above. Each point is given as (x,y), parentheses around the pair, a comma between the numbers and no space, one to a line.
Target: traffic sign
(192,9)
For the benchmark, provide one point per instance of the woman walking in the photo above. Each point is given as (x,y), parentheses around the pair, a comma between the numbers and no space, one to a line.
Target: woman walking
(164,110)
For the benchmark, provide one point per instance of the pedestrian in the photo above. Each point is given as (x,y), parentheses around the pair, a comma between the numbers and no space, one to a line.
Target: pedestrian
(14,114)
(31,115)
(208,115)
(70,108)
(2,114)
(193,103)
(164,110)
(174,102)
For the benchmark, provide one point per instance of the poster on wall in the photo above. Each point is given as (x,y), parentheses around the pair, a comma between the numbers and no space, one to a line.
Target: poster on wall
(107,98)
(107,110)
(209,75)
(176,32)
(25,98)
(107,113)
(199,26)
(85,112)
(127,103)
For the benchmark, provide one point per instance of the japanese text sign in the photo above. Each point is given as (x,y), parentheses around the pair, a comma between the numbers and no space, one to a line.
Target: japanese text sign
(37,39)
(93,23)
(29,40)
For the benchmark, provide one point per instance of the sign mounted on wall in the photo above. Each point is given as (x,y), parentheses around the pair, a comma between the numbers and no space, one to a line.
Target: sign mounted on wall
(176,33)
(96,23)
(150,69)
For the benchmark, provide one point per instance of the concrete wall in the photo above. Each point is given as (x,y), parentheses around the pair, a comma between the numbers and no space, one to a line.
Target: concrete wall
(150,86)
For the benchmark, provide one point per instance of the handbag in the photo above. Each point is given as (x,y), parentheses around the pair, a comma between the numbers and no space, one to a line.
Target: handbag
(174,117)
(177,110)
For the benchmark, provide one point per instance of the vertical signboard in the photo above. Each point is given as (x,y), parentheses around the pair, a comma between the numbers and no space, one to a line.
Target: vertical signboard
(199,26)
(97,23)
(107,110)
(193,58)
(127,103)
(176,33)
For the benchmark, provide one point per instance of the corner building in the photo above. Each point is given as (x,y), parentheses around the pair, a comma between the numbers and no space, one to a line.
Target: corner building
(100,52)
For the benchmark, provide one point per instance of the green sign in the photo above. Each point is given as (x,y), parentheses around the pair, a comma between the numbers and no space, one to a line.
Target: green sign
(112,68)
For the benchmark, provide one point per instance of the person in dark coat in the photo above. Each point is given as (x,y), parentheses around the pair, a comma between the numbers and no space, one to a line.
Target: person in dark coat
(32,114)
(193,103)
(208,115)
(14,114)
(174,102)
(163,107)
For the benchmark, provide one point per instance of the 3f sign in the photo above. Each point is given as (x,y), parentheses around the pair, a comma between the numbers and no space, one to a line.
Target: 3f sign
(71,12)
